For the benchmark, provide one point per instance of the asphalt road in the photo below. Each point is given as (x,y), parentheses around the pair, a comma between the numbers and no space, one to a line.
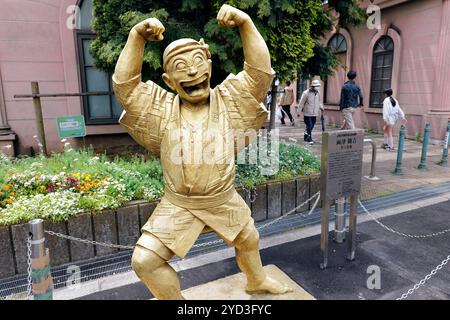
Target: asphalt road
(402,262)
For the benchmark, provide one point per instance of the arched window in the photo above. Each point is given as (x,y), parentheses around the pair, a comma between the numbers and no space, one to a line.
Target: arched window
(97,109)
(338,44)
(333,84)
(383,57)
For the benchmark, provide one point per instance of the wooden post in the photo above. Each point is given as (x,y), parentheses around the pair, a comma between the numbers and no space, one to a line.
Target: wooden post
(39,117)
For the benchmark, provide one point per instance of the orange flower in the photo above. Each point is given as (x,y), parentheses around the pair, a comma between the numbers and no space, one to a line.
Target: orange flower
(9,201)
(7,187)
(2,203)
(1,193)
(12,194)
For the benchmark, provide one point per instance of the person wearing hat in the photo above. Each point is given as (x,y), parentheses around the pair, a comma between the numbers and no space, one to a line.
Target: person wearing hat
(311,107)
(193,132)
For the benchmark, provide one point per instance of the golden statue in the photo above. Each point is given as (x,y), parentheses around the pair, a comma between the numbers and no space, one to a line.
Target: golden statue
(192,133)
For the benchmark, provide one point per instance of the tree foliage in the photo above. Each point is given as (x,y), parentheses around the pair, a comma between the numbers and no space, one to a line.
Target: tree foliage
(290,28)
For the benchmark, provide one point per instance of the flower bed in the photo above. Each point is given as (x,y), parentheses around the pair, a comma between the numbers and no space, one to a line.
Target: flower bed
(75,181)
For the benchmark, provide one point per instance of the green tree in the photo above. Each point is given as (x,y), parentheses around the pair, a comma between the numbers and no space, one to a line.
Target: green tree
(291,29)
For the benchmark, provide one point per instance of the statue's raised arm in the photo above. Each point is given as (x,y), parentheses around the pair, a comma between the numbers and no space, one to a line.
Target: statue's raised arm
(256,52)
(130,60)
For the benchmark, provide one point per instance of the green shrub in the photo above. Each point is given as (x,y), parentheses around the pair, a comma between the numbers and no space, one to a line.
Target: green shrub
(65,184)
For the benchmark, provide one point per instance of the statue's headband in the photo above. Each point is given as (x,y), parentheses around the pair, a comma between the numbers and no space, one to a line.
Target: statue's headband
(179,46)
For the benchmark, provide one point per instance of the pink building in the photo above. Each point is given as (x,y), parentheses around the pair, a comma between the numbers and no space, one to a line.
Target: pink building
(409,53)
(39,42)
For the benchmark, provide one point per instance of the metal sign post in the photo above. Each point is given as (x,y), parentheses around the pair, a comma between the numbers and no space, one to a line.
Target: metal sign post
(341,172)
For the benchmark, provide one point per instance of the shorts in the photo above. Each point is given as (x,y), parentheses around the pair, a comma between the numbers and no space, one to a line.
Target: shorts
(176,229)
(152,243)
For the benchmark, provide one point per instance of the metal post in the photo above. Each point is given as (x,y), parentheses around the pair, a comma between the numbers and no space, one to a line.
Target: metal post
(426,140)
(444,160)
(401,142)
(339,221)
(273,104)
(324,233)
(40,262)
(352,227)
(372,175)
(39,117)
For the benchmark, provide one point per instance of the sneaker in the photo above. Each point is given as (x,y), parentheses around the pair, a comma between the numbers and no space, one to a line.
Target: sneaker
(391,149)
(384,146)
(293,124)
(311,142)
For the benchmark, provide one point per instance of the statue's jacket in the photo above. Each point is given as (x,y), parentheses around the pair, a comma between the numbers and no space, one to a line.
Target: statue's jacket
(198,163)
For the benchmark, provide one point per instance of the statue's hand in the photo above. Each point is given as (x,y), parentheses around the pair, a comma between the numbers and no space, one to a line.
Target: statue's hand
(151,29)
(229,16)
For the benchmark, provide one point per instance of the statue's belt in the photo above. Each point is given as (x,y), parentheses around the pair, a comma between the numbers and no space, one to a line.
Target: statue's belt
(199,202)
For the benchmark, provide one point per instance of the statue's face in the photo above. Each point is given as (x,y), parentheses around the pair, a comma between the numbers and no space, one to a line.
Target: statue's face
(189,75)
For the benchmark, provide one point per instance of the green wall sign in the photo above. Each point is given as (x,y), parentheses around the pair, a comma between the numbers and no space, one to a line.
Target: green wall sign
(71,127)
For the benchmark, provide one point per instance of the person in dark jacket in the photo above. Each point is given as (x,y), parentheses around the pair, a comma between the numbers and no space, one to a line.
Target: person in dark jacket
(351,98)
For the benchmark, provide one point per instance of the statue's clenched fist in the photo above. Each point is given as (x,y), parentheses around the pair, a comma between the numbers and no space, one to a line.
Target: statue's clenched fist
(229,16)
(151,29)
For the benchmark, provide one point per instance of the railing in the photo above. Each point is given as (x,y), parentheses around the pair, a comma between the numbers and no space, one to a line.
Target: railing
(372,176)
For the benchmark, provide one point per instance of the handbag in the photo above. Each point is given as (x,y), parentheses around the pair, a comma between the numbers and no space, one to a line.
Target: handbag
(278,113)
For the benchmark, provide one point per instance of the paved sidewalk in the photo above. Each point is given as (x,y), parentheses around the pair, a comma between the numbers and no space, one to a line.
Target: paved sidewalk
(386,161)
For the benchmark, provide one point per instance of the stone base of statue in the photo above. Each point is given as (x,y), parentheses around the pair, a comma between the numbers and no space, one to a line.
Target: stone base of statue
(233,288)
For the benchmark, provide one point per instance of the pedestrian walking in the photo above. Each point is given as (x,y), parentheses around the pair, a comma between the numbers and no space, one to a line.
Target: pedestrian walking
(351,98)
(311,107)
(392,112)
(286,101)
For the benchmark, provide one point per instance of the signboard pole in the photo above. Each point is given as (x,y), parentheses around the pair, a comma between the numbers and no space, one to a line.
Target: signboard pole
(352,227)
(324,233)
(341,172)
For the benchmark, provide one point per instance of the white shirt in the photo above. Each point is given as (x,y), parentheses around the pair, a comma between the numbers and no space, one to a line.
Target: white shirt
(390,113)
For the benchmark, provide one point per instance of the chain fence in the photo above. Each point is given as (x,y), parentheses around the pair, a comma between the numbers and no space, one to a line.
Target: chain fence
(414,236)
(424,280)
(411,236)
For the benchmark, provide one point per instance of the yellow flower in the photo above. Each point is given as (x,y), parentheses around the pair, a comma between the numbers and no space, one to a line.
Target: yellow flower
(87,177)
(43,188)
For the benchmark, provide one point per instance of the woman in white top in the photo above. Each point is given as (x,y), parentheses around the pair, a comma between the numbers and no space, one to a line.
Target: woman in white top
(391,113)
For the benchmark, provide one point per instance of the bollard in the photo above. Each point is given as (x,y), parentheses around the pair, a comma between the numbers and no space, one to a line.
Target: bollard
(426,140)
(40,262)
(444,160)
(401,142)
(339,221)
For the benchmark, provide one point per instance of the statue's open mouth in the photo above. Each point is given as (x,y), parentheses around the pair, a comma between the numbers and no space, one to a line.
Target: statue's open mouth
(197,86)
